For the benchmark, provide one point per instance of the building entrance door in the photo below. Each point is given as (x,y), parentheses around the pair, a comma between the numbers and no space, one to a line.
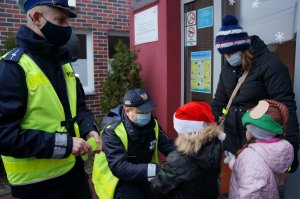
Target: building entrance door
(198,51)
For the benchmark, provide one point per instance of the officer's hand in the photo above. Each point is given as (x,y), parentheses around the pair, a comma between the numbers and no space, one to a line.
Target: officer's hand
(80,146)
(98,140)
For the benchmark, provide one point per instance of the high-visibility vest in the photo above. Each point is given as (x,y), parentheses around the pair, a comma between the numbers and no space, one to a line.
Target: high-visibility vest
(44,112)
(104,181)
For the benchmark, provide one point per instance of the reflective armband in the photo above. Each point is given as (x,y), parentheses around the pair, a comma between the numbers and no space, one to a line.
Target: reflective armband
(225,111)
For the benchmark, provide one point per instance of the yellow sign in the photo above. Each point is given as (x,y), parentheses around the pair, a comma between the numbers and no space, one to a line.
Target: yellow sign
(201,71)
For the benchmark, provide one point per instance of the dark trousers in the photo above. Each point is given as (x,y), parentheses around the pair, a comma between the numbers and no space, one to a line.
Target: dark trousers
(72,185)
(128,190)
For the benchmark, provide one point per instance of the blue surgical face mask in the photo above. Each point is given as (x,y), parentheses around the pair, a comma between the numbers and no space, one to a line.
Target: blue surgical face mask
(143,119)
(235,60)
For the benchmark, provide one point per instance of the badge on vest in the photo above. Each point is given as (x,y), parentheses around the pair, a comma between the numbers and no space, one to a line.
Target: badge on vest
(70,74)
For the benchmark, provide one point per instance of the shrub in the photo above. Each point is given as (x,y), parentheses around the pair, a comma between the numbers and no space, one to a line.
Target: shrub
(124,75)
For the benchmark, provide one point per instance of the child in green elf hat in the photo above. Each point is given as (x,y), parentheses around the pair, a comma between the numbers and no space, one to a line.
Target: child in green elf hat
(256,170)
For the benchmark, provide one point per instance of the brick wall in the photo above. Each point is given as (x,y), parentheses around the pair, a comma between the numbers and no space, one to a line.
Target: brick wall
(100,16)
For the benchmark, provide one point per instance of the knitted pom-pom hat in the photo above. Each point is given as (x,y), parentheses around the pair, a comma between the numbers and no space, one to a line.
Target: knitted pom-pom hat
(231,37)
(193,117)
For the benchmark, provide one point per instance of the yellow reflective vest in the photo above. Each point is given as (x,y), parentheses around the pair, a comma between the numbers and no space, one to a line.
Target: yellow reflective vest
(44,112)
(104,181)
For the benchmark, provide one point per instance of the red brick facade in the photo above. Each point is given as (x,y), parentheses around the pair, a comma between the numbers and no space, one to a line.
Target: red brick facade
(100,16)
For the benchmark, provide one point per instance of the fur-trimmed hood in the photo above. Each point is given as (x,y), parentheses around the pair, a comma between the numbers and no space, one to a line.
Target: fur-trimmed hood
(204,146)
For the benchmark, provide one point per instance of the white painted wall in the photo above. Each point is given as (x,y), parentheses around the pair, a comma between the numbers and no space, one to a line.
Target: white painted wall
(217,62)
(182,15)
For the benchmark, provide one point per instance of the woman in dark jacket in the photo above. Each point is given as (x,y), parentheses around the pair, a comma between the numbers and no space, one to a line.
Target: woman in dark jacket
(192,171)
(268,78)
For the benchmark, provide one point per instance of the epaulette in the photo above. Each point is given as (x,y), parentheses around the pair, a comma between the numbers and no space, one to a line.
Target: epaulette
(113,125)
(14,55)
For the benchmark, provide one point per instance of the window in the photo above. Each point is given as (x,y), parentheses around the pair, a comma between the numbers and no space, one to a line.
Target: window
(275,23)
(84,66)
(113,38)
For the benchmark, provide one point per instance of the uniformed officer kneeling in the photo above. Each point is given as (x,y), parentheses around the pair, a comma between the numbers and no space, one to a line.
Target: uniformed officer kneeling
(131,139)
(44,122)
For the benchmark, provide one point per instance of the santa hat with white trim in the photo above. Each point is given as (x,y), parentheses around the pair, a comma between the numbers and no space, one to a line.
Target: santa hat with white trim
(193,117)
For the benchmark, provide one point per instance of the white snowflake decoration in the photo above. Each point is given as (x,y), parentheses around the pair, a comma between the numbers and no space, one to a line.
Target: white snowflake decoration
(231,2)
(279,36)
(255,4)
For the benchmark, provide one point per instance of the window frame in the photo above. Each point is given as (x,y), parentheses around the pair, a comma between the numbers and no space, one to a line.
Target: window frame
(90,88)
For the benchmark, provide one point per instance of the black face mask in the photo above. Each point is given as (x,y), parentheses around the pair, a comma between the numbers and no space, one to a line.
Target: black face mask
(56,35)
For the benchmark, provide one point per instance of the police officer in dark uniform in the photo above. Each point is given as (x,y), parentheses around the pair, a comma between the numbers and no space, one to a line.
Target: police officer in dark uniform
(44,122)
(131,141)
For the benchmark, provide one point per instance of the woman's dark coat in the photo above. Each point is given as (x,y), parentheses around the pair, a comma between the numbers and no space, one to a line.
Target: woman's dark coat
(268,79)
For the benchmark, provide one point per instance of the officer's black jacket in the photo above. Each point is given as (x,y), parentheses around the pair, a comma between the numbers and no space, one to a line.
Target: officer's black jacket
(131,164)
(13,100)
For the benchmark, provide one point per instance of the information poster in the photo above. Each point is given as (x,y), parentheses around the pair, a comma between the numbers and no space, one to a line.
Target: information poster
(201,71)
(205,17)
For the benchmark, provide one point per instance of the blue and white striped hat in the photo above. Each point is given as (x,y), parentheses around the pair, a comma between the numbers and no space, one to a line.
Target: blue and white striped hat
(231,37)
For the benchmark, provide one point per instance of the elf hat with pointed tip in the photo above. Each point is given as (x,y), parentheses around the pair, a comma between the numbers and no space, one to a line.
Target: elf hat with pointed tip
(269,115)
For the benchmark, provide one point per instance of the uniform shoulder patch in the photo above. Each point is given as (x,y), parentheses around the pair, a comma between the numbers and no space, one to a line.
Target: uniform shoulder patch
(113,125)
(14,55)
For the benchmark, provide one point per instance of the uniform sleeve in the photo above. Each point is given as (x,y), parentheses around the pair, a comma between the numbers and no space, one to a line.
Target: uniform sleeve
(17,142)
(116,156)
(85,118)
(165,144)
(168,177)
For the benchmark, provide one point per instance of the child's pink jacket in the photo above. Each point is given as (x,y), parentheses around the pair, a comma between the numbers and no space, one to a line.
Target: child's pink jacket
(255,171)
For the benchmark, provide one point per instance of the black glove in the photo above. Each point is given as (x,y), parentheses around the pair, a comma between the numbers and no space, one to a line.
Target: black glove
(295,163)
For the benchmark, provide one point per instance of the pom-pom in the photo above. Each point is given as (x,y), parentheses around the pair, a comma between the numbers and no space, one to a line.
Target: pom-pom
(229,20)
(221,136)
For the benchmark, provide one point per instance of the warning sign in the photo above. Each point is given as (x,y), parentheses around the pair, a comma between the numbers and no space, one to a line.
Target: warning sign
(191,35)
(190,29)
(191,18)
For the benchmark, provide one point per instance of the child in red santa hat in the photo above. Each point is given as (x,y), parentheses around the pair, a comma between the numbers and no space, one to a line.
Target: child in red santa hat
(192,170)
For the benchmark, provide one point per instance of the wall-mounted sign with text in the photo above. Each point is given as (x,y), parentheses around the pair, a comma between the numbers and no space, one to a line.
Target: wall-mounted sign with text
(146,26)
(190,28)
(205,17)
